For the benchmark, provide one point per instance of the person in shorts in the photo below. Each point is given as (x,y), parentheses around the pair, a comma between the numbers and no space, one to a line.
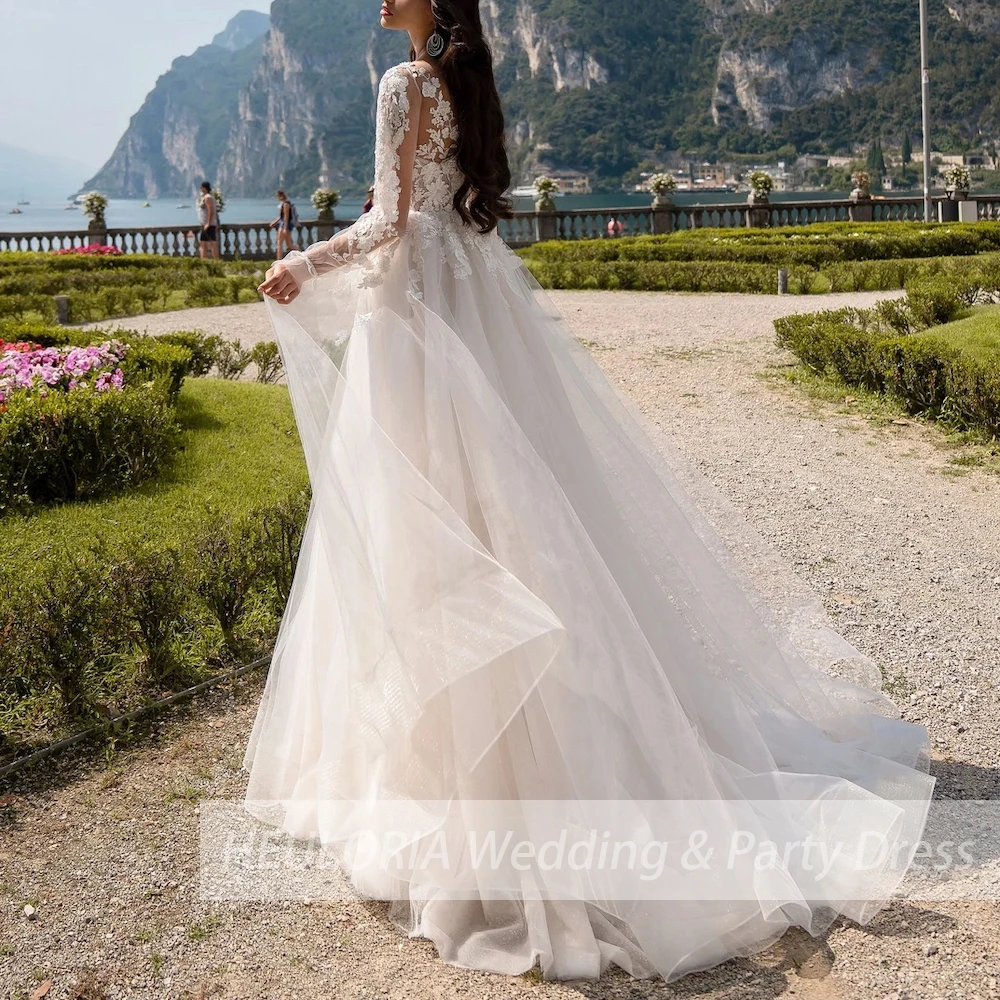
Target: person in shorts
(286,222)
(208,214)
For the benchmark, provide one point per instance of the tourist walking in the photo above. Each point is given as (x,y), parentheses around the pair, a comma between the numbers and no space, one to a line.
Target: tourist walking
(208,215)
(509,605)
(286,222)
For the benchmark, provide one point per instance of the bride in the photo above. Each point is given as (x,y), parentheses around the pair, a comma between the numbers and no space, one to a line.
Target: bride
(509,602)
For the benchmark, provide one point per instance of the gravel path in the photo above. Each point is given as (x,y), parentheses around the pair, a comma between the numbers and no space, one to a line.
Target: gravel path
(902,545)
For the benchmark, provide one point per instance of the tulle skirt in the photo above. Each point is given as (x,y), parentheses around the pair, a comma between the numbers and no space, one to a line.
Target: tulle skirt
(508,591)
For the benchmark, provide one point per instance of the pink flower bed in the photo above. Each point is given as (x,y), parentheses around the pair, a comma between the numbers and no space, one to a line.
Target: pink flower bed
(94,250)
(51,369)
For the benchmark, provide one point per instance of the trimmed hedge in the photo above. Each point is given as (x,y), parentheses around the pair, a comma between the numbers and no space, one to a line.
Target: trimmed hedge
(896,349)
(830,257)
(205,353)
(654,276)
(815,245)
(101,288)
(109,604)
(100,629)
(83,444)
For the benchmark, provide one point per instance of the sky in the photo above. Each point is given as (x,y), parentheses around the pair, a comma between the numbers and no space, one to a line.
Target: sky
(75,71)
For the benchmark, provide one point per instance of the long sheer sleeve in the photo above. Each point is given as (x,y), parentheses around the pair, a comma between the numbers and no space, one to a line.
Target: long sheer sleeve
(396,130)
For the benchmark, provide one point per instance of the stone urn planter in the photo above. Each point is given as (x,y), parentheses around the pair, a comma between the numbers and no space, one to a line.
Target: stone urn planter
(948,208)
(546,221)
(324,200)
(861,208)
(97,231)
(325,219)
(662,214)
(959,207)
(759,215)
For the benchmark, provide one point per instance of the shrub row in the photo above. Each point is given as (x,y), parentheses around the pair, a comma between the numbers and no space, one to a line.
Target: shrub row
(98,631)
(105,288)
(207,353)
(893,349)
(717,276)
(15,261)
(654,276)
(816,245)
(81,444)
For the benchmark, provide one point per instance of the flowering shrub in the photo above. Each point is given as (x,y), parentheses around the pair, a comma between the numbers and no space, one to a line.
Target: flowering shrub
(958,178)
(93,250)
(80,420)
(661,184)
(220,201)
(546,187)
(325,199)
(94,206)
(22,345)
(48,369)
(761,183)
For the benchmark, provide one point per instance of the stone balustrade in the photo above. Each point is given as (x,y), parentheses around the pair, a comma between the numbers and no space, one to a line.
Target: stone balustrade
(257,241)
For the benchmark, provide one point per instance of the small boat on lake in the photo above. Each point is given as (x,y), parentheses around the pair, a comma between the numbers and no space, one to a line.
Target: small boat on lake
(528,191)
(15,211)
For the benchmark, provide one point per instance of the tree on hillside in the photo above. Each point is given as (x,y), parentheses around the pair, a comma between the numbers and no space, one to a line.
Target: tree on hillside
(907,148)
(875,164)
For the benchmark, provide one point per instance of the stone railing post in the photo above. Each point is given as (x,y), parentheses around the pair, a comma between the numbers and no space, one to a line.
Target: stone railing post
(758,211)
(97,232)
(861,208)
(662,217)
(968,210)
(326,229)
(546,223)
(947,210)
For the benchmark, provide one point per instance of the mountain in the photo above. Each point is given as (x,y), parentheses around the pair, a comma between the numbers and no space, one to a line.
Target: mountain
(35,176)
(600,86)
(177,138)
(243,30)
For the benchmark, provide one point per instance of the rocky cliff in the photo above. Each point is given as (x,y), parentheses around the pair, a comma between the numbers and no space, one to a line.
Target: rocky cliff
(586,83)
(179,135)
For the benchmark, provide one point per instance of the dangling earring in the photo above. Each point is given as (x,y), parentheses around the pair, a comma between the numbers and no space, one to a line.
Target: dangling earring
(435,44)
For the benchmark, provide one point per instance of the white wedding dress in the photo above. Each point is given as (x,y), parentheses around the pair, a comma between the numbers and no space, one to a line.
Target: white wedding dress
(507,591)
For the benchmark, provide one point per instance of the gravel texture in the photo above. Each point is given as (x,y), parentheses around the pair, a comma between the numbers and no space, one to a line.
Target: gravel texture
(901,544)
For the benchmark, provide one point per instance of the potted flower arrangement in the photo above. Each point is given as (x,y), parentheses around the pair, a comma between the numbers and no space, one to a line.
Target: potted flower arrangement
(761,186)
(958,181)
(94,207)
(661,185)
(862,185)
(325,200)
(220,202)
(545,188)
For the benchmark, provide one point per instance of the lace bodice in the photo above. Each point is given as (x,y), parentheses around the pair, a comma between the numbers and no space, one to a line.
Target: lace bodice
(436,174)
(416,177)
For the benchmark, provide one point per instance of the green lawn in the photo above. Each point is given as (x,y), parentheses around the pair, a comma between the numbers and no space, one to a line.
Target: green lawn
(977,334)
(241,450)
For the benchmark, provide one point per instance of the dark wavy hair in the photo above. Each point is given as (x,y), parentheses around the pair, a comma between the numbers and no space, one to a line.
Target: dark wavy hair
(466,66)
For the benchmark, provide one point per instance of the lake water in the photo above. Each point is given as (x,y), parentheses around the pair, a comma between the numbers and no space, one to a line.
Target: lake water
(128,214)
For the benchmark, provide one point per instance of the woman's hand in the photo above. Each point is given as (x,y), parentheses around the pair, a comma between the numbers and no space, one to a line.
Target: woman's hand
(280,283)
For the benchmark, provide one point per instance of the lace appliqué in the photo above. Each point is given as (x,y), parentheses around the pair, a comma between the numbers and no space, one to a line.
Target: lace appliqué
(370,244)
